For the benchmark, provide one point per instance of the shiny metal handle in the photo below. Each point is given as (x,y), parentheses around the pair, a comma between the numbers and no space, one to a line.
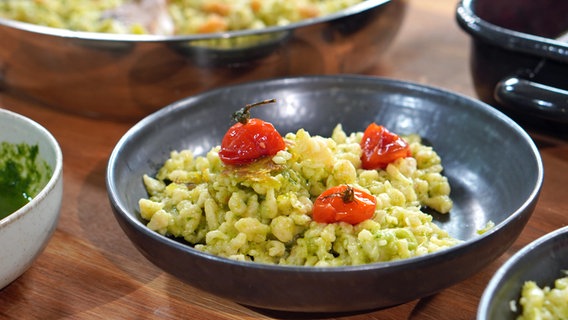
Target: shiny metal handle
(533,98)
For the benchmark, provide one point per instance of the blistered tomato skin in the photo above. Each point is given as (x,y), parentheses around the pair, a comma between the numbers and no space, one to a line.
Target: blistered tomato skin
(380,147)
(245,143)
(344,204)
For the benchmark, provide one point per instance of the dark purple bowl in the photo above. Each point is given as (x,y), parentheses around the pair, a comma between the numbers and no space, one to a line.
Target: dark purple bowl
(518,62)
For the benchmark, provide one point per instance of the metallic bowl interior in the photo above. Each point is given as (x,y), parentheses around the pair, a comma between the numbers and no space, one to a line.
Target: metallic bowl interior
(542,261)
(475,141)
(130,76)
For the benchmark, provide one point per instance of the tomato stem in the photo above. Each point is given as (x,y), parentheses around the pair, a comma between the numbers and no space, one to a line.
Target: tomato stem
(243,115)
(348,195)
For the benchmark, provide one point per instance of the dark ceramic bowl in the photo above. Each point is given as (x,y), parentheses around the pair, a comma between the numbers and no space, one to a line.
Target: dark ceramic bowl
(476,143)
(518,60)
(122,76)
(542,261)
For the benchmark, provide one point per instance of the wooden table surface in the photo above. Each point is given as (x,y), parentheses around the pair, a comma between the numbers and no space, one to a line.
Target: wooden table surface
(90,269)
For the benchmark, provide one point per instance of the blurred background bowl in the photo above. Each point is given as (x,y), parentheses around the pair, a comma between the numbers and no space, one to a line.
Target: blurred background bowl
(25,232)
(543,261)
(475,141)
(519,56)
(129,76)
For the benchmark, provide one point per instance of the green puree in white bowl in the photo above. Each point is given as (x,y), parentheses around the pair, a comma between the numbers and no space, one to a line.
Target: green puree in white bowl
(22,175)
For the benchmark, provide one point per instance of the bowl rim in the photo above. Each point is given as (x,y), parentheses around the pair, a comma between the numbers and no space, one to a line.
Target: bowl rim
(99,36)
(505,268)
(55,175)
(120,208)
(499,36)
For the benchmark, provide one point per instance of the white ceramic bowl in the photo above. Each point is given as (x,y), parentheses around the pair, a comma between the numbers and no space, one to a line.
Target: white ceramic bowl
(25,233)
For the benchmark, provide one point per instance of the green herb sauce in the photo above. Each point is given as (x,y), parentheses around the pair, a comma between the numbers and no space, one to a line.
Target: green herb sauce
(22,175)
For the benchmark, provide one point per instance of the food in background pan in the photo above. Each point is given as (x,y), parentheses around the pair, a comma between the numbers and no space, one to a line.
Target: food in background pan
(167,16)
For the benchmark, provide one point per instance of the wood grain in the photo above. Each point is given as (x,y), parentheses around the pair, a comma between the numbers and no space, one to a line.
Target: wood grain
(90,270)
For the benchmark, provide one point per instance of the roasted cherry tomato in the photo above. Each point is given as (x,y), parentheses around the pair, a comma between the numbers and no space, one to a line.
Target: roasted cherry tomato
(344,203)
(250,139)
(381,147)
